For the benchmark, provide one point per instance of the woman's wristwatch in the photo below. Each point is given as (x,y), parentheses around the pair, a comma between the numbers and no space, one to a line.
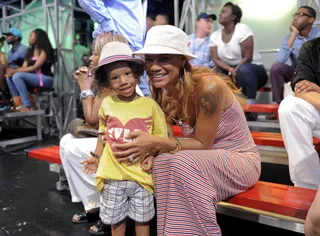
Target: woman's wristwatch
(85,93)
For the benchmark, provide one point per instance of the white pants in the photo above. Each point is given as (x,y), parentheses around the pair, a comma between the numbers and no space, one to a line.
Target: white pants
(299,121)
(82,186)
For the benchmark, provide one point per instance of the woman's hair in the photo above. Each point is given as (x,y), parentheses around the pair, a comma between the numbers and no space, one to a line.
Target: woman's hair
(107,37)
(101,77)
(187,88)
(42,44)
(236,11)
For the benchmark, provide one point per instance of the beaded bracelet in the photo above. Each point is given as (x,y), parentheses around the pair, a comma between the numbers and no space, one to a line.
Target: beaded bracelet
(94,155)
(178,147)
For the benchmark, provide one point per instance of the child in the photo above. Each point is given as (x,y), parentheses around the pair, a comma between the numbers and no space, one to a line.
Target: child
(126,190)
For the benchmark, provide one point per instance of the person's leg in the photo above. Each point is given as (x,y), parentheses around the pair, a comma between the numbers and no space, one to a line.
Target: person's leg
(280,74)
(299,121)
(189,185)
(23,80)
(13,90)
(142,229)
(251,77)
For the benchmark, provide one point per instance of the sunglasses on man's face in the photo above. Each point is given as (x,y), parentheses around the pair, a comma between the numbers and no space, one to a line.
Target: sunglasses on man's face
(301,14)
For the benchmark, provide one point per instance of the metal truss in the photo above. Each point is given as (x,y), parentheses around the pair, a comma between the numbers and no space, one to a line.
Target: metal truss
(58,16)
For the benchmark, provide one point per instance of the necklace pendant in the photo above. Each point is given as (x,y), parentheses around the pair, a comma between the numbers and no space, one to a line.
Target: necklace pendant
(180,122)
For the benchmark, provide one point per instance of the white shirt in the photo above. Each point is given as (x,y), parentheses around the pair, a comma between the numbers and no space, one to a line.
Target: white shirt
(230,52)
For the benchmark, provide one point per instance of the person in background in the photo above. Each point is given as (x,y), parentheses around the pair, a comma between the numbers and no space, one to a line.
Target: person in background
(234,51)
(312,224)
(16,53)
(4,91)
(199,41)
(113,16)
(299,118)
(72,149)
(149,23)
(35,71)
(301,30)
(161,19)
(79,52)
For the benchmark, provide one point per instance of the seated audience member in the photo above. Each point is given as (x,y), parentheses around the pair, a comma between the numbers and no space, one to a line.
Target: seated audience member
(301,31)
(217,161)
(3,66)
(73,150)
(16,54)
(312,224)
(149,23)
(35,71)
(234,52)
(113,16)
(161,19)
(299,117)
(79,52)
(199,42)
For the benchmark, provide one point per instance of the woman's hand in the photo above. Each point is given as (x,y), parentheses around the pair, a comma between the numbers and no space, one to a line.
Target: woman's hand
(83,78)
(141,146)
(90,165)
(306,86)
(10,72)
(147,164)
(233,75)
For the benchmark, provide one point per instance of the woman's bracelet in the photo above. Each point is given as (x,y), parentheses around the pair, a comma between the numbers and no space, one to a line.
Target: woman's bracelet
(94,155)
(178,147)
(230,71)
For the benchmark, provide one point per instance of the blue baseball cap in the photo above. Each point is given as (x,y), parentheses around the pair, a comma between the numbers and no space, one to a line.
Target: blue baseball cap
(205,15)
(14,31)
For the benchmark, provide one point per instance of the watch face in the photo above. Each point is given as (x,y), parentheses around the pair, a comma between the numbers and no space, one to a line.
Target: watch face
(84,94)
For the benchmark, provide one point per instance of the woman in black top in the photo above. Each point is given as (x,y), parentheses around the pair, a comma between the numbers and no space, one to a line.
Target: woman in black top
(35,71)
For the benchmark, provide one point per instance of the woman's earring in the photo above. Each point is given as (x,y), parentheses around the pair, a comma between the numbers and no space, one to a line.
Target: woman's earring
(182,74)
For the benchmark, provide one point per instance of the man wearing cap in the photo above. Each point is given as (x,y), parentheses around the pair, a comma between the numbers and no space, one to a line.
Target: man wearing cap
(199,42)
(18,51)
(301,31)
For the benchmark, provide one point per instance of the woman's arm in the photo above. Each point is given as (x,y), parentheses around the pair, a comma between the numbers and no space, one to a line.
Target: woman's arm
(3,60)
(91,108)
(41,60)
(246,51)
(312,225)
(217,60)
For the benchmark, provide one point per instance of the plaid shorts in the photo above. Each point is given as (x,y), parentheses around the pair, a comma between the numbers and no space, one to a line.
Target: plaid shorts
(122,199)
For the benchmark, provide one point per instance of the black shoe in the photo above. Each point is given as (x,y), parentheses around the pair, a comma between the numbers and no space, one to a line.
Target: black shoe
(101,229)
(250,116)
(86,216)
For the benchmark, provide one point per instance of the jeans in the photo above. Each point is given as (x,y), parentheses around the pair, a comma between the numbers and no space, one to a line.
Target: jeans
(18,85)
(251,77)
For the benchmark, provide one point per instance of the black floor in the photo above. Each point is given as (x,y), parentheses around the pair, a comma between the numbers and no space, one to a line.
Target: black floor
(30,204)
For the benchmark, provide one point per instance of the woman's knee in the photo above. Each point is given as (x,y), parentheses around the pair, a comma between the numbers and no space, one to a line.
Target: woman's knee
(16,78)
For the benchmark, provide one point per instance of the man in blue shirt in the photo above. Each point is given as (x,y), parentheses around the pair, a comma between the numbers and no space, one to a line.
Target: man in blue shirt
(18,51)
(199,42)
(124,17)
(301,31)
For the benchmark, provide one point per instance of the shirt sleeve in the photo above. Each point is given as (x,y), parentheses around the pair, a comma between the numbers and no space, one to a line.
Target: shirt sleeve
(159,122)
(98,13)
(244,32)
(284,52)
(213,39)
(305,69)
(102,123)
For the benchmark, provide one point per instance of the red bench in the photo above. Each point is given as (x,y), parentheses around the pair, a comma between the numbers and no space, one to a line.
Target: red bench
(50,154)
(263,108)
(272,204)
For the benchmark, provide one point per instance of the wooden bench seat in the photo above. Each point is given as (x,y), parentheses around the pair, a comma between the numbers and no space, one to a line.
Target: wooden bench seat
(263,108)
(272,204)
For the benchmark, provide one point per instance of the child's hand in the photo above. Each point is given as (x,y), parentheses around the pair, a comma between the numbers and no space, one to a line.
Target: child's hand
(90,165)
(147,164)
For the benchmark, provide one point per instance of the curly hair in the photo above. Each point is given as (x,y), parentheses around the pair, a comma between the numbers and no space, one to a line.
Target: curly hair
(42,44)
(101,77)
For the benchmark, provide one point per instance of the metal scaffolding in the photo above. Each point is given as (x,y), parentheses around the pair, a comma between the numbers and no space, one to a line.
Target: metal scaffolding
(57,16)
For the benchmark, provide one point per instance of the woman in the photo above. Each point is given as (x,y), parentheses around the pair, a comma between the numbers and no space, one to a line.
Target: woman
(74,150)
(35,71)
(218,161)
(233,51)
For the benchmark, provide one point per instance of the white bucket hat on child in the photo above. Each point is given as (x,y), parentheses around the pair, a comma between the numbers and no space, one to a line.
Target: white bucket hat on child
(115,51)
(166,39)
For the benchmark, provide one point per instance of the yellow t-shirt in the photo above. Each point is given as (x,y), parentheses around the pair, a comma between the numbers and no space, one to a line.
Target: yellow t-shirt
(118,119)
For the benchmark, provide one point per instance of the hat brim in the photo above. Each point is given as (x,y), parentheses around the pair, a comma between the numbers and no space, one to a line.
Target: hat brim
(93,70)
(163,50)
